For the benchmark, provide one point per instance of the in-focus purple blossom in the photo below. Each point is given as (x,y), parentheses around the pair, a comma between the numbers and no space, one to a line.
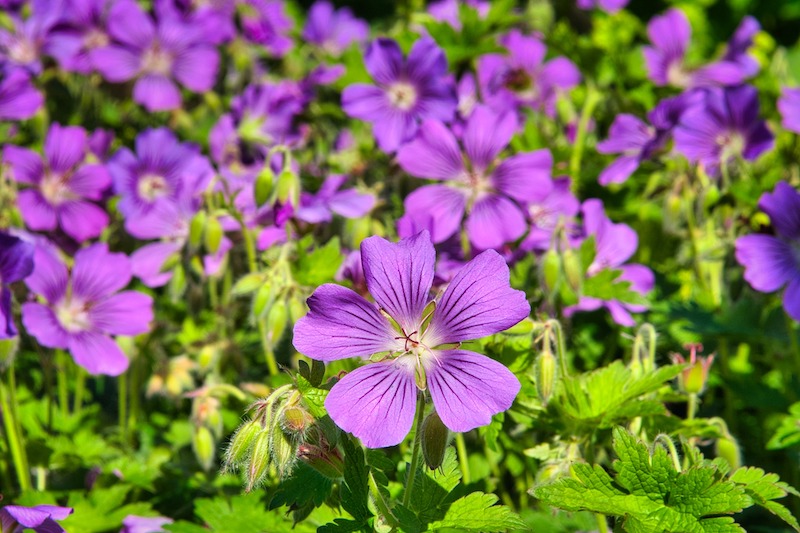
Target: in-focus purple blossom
(16,263)
(523,78)
(265,22)
(377,402)
(144,524)
(156,54)
(612,6)
(789,106)
(40,518)
(19,98)
(723,125)
(670,35)
(614,244)
(333,30)
(330,199)
(162,180)
(83,307)
(488,191)
(773,261)
(407,91)
(60,190)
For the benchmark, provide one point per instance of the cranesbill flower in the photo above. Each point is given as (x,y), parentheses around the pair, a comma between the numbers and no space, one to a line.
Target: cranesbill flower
(448,10)
(414,349)
(319,207)
(16,263)
(333,29)
(558,209)
(612,6)
(408,91)
(19,99)
(144,524)
(61,186)
(789,106)
(163,173)
(637,141)
(156,55)
(490,192)
(722,126)
(615,244)
(670,34)
(80,31)
(214,19)
(773,261)
(265,22)
(40,518)
(523,78)
(739,45)
(25,42)
(82,308)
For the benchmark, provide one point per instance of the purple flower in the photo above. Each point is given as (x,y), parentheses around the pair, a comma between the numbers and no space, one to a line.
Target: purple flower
(545,216)
(612,6)
(25,44)
(739,45)
(60,186)
(333,29)
(489,191)
(723,125)
(770,262)
(319,207)
(16,263)
(163,175)
(637,141)
(40,518)
(19,99)
(615,244)
(144,524)
(448,10)
(789,106)
(407,91)
(81,30)
(670,34)
(265,22)
(156,55)
(83,307)
(522,78)
(376,402)
(215,17)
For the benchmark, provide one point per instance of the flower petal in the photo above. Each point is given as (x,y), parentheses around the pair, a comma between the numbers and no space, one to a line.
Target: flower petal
(433,154)
(130,25)
(126,313)
(351,204)
(468,388)
(791,298)
(65,147)
(366,102)
(341,324)
(495,220)
(89,181)
(783,208)
(486,134)
(426,61)
(147,262)
(478,302)
(115,63)
(156,93)
(525,177)
(196,68)
(619,170)
(99,273)
(97,353)
(384,60)
(376,402)
(439,209)
(49,277)
(26,165)
(82,220)
(768,262)
(399,276)
(40,322)
(37,213)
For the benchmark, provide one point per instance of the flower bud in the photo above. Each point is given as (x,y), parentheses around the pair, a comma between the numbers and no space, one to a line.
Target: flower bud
(213,235)
(277,318)
(573,269)
(295,421)
(327,461)
(197,228)
(262,301)
(8,351)
(297,309)
(288,188)
(551,269)
(240,445)
(546,374)
(203,446)
(284,453)
(728,448)
(693,379)
(435,438)
(259,460)
(265,181)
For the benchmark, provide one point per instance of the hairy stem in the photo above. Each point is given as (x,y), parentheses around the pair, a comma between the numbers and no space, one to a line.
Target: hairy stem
(380,503)
(412,468)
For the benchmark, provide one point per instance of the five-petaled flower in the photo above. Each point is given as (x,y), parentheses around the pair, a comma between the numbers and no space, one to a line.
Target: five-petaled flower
(413,341)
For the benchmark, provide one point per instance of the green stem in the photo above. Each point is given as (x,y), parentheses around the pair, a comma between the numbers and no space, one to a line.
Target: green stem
(122,402)
(463,458)
(673,451)
(61,380)
(561,346)
(592,99)
(602,522)
(80,390)
(412,468)
(12,391)
(14,440)
(692,409)
(380,503)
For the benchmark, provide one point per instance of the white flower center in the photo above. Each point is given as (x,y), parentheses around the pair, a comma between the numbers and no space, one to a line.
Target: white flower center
(73,315)
(157,61)
(152,186)
(54,189)
(95,38)
(677,75)
(541,217)
(732,144)
(402,95)
(22,51)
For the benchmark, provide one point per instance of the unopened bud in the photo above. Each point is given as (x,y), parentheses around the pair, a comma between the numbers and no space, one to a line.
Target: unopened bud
(435,438)
(284,453)
(727,446)
(295,421)
(197,228)
(288,188)
(240,445)
(204,446)
(546,374)
(551,269)
(573,269)
(262,301)
(277,318)
(8,351)
(265,182)
(260,458)
(297,309)
(328,462)
(213,235)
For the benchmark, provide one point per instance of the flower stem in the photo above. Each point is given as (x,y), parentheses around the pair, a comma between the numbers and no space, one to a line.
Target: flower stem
(80,389)
(122,401)
(592,99)
(412,468)
(61,380)
(14,440)
(602,522)
(380,503)
(692,409)
(463,458)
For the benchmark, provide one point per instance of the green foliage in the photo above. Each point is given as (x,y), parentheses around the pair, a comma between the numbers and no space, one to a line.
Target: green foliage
(102,509)
(647,492)
(788,434)
(478,512)
(243,514)
(318,265)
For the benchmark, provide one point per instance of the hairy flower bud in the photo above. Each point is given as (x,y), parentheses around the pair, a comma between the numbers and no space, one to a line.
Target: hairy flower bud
(327,461)
(240,445)
(204,446)
(546,374)
(277,319)
(435,438)
(693,379)
(284,453)
(295,422)
(259,460)
(551,269)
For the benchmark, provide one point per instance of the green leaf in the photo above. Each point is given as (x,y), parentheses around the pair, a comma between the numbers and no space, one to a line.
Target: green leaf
(313,396)
(764,488)
(605,286)
(477,512)
(354,487)
(243,514)
(648,493)
(305,486)
(788,434)
(318,266)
